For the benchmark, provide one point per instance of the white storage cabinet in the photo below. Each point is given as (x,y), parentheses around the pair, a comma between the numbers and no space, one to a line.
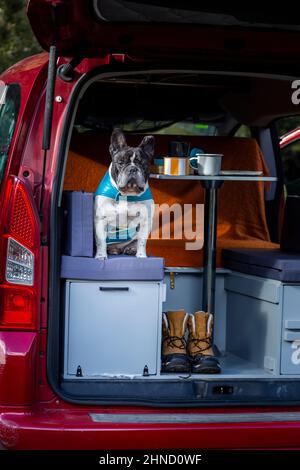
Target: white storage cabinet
(112,329)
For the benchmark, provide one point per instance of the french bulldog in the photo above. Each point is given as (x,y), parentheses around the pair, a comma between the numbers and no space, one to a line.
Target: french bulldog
(124,206)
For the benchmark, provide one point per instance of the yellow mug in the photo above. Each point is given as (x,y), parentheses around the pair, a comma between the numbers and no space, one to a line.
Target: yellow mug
(176,166)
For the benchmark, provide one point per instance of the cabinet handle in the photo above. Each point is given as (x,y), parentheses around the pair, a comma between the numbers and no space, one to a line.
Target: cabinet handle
(292,324)
(291,336)
(110,289)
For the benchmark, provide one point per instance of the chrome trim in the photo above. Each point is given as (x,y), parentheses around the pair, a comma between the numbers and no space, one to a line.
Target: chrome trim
(187,418)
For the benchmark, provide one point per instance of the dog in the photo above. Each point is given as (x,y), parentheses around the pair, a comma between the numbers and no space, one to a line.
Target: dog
(124,206)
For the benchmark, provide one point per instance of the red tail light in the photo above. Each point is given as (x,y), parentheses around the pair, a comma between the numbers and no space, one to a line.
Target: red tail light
(17,307)
(22,219)
(19,279)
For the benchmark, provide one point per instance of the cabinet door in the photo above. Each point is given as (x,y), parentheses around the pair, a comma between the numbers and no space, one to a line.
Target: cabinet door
(290,352)
(112,328)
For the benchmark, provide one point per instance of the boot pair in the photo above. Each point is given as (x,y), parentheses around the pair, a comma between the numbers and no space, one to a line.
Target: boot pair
(197,355)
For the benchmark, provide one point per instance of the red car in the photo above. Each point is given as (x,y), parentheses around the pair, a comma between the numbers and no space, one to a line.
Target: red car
(290,137)
(147,67)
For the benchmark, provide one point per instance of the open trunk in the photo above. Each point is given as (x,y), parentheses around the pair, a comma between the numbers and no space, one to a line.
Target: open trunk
(105,325)
(232,67)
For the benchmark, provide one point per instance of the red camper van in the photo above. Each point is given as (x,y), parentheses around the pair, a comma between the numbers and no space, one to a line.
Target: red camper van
(80,343)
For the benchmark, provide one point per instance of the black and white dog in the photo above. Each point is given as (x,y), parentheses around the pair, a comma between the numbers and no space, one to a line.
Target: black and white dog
(124,205)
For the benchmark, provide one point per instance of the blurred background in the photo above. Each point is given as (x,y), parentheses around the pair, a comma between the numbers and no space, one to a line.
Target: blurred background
(16,38)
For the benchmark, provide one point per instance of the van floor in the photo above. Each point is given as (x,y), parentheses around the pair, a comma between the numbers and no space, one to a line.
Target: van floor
(232,367)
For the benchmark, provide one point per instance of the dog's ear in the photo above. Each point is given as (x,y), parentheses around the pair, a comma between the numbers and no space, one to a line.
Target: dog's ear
(147,145)
(117,141)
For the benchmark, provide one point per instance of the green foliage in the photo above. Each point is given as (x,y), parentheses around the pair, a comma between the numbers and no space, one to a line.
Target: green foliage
(16,38)
(287,124)
(243,131)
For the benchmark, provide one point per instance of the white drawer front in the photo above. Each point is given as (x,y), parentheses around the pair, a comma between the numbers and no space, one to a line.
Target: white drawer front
(112,328)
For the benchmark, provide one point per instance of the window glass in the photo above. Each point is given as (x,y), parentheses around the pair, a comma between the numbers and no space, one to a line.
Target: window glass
(158,127)
(243,131)
(9,110)
(290,154)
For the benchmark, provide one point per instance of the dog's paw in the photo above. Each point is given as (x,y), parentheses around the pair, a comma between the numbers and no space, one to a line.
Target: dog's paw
(101,256)
(141,255)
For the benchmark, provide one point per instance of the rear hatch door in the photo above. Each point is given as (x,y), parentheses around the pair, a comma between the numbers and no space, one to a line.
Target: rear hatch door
(165,29)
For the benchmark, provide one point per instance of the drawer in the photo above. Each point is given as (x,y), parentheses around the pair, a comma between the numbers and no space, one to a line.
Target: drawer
(290,350)
(267,290)
(290,353)
(112,328)
(291,303)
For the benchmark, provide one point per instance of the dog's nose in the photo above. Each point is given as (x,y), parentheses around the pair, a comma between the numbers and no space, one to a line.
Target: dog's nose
(133,170)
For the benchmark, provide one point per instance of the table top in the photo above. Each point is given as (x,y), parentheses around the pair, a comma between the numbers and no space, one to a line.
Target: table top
(226,177)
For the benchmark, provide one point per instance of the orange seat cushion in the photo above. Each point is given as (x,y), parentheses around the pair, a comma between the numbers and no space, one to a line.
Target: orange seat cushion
(241,216)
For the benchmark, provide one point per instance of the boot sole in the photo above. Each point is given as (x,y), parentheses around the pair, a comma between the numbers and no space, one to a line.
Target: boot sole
(206,370)
(175,363)
(208,365)
(212,368)
(174,369)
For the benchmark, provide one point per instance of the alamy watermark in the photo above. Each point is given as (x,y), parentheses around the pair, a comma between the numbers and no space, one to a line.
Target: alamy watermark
(164,222)
(296,92)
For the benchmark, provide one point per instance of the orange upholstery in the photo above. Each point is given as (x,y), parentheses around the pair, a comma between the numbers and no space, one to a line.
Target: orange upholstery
(241,221)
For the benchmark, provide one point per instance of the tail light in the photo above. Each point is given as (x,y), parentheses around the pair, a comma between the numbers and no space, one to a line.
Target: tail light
(19,278)
(19,264)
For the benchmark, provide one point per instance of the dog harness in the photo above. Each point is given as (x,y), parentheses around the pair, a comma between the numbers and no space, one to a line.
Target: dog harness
(108,188)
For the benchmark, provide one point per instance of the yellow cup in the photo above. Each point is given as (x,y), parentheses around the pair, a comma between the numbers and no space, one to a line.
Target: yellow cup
(176,166)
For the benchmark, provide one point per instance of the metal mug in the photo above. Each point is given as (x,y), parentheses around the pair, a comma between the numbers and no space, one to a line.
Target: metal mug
(207,164)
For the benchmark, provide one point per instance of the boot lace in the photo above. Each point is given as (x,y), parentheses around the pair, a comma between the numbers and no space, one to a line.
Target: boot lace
(196,343)
(171,342)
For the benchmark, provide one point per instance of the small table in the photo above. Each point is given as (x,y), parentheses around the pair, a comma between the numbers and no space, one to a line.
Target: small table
(211,184)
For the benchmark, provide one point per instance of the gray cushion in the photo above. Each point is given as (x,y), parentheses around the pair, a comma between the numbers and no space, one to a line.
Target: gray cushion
(79,228)
(115,268)
(273,264)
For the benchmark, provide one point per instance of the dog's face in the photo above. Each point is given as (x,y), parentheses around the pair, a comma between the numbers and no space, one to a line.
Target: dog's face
(130,165)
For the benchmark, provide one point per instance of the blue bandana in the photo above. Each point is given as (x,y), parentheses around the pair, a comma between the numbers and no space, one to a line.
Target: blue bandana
(108,188)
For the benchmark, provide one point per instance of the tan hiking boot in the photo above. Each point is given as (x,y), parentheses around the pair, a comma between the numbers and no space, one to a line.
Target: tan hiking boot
(174,356)
(203,360)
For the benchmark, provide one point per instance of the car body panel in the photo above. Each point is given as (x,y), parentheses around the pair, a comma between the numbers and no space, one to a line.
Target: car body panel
(74,429)
(31,74)
(32,416)
(18,367)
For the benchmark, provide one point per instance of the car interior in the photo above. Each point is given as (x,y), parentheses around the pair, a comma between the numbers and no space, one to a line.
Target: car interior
(104,357)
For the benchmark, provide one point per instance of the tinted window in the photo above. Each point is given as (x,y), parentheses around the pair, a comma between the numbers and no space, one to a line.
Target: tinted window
(9,110)
(170,128)
(290,155)
(243,131)
(291,167)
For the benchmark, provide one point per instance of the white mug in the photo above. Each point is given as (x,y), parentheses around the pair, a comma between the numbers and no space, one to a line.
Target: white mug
(207,164)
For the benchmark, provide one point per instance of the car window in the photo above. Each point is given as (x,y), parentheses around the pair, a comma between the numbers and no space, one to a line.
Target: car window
(9,110)
(243,131)
(188,127)
(157,127)
(290,155)
(291,167)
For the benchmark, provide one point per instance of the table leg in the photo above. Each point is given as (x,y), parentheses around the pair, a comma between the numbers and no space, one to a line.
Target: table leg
(210,240)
